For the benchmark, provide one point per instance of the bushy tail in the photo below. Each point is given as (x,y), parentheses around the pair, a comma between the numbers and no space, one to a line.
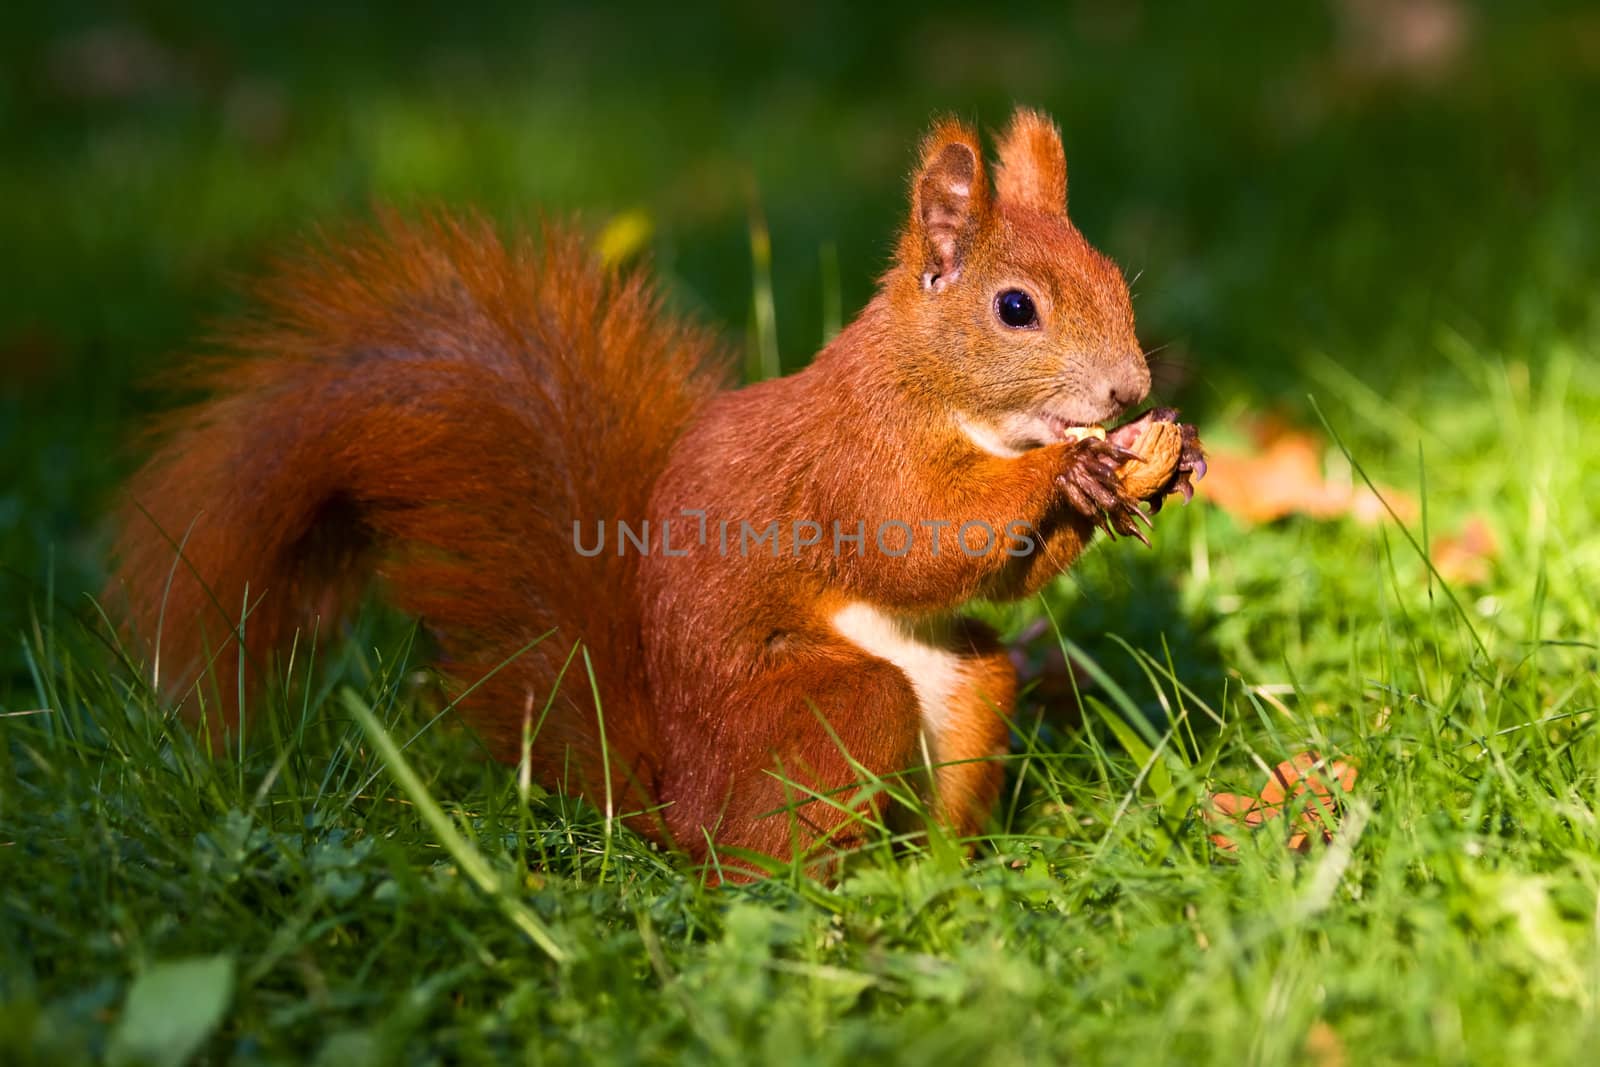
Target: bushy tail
(437,406)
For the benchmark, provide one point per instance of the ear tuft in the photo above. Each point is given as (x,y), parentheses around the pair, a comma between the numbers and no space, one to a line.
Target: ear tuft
(1033,166)
(949,204)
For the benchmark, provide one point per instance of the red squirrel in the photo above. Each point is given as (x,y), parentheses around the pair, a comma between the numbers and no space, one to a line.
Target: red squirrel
(531,455)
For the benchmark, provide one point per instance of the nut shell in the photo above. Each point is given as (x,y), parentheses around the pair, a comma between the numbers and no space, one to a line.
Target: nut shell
(1158,449)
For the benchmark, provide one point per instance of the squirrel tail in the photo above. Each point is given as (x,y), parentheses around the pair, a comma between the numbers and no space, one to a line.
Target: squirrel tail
(441,408)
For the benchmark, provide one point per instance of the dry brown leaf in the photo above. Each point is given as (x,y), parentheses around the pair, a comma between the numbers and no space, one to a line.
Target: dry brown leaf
(1290,780)
(1414,40)
(1323,1047)
(1466,558)
(1303,774)
(1282,475)
(1232,809)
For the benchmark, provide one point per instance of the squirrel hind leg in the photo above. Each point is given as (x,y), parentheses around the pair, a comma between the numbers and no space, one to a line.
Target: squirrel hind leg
(794,789)
(969,747)
(835,737)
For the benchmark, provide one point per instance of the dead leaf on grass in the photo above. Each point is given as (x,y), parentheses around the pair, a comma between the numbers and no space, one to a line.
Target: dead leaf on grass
(1323,1047)
(1411,40)
(1290,780)
(1466,558)
(1282,474)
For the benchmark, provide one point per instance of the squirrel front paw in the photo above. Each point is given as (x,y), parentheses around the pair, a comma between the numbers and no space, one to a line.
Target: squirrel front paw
(1091,485)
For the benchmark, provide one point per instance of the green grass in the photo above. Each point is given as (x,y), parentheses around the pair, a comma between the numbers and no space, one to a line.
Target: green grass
(1414,263)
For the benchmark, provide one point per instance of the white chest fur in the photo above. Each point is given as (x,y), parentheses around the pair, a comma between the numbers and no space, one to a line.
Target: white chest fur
(937,674)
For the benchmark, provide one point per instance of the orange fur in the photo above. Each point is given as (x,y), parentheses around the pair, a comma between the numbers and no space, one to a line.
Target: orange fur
(1033,168)
(437,406)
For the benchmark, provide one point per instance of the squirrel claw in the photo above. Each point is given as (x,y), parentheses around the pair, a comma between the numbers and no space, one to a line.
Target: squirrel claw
(1092,485)
(1121,523)
(1134,531)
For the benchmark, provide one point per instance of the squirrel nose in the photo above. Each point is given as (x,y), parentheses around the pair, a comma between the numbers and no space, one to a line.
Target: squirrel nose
(1127,386)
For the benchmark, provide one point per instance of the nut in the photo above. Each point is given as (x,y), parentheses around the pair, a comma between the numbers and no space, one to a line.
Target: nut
(1158,449)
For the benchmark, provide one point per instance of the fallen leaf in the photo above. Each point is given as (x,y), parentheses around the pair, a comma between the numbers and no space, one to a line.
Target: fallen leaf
(1283,475)
(1412,40)
(1290,780)
(1323,1047)
(1236,809)
(1467,557)
(1302,774)
(1296,777)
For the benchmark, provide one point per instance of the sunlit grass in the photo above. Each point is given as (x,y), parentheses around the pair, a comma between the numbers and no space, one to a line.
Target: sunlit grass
(1452,915)
(1413,264)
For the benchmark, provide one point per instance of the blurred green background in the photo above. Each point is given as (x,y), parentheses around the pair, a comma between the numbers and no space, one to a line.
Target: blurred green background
(1307,192)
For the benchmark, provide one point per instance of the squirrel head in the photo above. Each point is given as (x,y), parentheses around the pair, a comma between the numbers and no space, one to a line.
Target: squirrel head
(1013,318)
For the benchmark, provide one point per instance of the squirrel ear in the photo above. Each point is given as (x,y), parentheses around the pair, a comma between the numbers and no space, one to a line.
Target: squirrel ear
(949,205)
(1033,167)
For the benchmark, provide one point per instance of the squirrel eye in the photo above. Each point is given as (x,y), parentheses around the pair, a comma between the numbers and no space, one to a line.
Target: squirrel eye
(1016,309)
